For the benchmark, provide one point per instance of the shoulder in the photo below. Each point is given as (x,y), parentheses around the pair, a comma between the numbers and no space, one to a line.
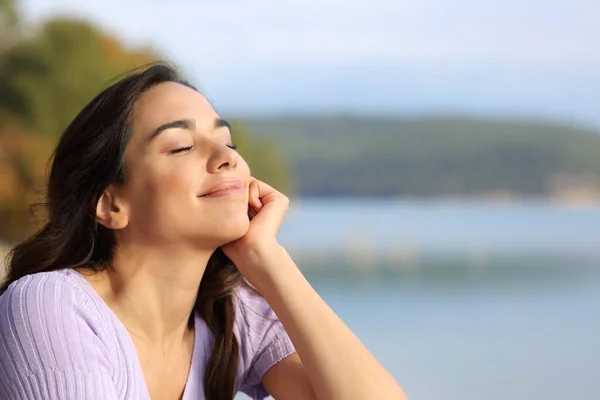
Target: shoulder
(45,314)
(53,329)
(262,339)
(255,319)
(44,296)
(249,299)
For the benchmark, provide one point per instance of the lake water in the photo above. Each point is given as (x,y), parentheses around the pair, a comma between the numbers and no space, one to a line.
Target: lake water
(473,344)
(462,301)
(441,226)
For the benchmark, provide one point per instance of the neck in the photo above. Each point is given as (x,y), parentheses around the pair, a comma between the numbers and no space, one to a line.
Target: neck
(153,291)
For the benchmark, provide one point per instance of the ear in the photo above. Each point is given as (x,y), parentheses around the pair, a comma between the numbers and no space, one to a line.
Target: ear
(111,210)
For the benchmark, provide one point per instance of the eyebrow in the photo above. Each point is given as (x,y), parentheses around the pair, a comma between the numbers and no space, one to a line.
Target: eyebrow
(187,124)
(221,123)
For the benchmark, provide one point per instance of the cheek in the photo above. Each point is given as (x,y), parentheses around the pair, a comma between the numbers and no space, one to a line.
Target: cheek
(158,187)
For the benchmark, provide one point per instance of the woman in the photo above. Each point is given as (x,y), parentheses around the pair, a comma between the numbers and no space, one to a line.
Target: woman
(158,274)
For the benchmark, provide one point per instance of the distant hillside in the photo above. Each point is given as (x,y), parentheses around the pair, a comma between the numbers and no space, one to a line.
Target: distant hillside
(432,157)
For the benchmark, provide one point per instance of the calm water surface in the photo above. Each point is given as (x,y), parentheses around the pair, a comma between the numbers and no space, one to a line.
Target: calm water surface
(507,334)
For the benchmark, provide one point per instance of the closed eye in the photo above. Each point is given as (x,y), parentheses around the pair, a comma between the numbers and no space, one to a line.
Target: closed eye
(180,150)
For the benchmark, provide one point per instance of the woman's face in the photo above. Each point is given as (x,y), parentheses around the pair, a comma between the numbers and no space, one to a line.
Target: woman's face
(178,151)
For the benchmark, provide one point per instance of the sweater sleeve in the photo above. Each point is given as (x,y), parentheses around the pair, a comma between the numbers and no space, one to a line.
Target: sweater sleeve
(262,338)
(49,343)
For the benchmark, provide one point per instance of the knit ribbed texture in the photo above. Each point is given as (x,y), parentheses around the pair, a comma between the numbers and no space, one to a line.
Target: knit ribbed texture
(59,340)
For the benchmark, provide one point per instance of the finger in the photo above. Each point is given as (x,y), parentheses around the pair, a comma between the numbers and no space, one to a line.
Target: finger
(268,194)
(252,213)
(254,196)
(264,191)
(275,204)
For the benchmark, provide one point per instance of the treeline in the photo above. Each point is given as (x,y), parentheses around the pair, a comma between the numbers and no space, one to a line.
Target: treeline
(48,72)
(435,157)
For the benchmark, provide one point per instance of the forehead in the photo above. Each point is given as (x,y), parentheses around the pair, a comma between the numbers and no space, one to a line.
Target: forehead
(168,102)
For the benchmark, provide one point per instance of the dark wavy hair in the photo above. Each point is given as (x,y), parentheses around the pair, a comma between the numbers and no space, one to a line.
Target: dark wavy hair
(89,158)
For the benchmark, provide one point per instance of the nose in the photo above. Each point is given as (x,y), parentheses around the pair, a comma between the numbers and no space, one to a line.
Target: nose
(222,158)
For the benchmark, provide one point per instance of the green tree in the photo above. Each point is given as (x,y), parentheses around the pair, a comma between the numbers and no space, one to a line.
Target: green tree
(9,34)
(8,14)
(55,73)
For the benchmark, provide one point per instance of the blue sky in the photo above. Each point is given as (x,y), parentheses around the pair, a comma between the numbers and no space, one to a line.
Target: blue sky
(529,59)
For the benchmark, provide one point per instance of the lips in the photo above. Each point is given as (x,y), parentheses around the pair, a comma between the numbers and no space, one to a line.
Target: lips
(225,188)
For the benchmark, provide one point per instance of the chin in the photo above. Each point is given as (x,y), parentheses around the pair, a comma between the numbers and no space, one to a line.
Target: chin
(231,230)
(239,231)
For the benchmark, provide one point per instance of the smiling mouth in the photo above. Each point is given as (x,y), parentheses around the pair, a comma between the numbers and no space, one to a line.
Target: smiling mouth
(224,192)
(225,188)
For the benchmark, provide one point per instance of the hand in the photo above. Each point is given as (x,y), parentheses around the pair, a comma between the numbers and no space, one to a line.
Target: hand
(266,209)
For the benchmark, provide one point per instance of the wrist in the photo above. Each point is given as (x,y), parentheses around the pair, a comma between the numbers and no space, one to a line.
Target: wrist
(263,255)
(280,275)
(261,261)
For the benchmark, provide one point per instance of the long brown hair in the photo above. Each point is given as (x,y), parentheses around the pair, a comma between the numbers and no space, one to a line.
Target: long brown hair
(87,159)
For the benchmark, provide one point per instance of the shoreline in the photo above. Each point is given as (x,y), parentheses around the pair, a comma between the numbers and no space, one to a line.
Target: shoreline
(588,202)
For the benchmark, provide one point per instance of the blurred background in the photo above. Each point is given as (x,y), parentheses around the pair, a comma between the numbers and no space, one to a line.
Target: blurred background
(443,159)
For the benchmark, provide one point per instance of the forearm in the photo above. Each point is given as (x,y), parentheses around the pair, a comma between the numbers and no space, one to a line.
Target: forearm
(337,363)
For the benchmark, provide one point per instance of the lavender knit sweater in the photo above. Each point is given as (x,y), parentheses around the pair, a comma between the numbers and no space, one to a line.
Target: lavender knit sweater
(59,340)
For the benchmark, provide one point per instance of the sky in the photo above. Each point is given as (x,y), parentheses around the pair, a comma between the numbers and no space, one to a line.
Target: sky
(533,59)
